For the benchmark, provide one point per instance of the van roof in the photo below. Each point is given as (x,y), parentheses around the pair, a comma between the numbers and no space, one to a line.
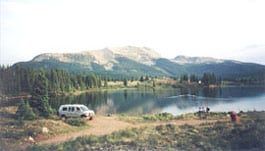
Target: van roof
(73,105)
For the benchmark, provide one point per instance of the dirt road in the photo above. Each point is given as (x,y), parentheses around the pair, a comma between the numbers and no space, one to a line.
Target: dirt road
(102,125)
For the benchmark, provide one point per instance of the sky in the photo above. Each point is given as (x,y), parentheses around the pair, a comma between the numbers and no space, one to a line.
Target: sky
(225,29)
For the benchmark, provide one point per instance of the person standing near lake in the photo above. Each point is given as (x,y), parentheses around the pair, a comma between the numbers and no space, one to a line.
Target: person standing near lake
(207,109)
(203,109)
(234,117)
(200,109)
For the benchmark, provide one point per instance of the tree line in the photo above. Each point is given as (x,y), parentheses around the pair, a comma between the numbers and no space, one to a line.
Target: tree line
(206,79)
(40,84)
(16,80)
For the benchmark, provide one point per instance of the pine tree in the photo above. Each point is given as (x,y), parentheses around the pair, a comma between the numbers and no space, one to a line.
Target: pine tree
(141,79)
(209,78)
(105,82)
(184,78)
(193,78)
(125,82)
(154,84)
(39,94)
(55,86)
(24,111)
(146,78)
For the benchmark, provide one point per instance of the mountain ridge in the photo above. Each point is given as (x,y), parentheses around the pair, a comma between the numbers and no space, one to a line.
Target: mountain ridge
(104,56)
(181,59)
(136,61)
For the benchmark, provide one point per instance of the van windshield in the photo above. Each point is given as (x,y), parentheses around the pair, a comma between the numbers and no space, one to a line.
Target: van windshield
(84,108)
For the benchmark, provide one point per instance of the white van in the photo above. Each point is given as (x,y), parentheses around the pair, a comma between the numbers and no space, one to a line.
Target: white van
(75,110)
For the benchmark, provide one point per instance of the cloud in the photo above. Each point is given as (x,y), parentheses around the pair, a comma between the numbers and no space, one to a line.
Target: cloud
(253,47)
(252,53)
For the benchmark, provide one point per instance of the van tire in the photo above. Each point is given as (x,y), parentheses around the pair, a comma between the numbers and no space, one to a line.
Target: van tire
(63,117)
(91,118)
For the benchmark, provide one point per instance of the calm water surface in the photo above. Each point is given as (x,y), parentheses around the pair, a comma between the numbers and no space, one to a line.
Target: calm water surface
(175,101)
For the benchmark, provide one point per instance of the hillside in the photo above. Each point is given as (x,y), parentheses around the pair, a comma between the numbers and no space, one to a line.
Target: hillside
(137,61)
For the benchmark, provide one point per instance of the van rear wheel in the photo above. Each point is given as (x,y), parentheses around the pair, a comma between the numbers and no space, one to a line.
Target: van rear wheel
(83,116)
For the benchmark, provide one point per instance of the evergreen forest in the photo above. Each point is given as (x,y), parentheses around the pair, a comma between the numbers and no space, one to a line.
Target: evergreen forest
(16,80)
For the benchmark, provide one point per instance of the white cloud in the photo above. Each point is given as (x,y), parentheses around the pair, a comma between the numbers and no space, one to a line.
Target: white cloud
(250,53)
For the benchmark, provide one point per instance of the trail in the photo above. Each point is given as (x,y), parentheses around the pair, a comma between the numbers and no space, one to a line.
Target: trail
(102,125)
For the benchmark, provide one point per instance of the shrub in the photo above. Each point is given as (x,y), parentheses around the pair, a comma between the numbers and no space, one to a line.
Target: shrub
(159,117)
(76,121)
(128,133)
(24,111)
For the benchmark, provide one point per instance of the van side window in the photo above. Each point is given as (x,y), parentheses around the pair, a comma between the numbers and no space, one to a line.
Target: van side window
(77,108)
(73,109)
(64,108)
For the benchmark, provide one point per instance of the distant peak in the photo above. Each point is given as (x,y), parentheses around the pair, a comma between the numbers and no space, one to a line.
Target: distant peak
(142,54)
(127,50)
(195,60)
(133,50)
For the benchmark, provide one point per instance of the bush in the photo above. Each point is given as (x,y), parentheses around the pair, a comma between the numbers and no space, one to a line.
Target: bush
(76,121)
(159,117)
(24,111)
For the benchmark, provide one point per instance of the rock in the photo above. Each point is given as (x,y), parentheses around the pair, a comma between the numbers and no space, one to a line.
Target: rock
(45,130)
(31,139)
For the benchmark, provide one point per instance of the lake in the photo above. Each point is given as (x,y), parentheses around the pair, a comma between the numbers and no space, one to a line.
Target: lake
(175,101)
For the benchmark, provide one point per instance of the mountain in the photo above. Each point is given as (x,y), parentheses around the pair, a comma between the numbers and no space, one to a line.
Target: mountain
(105,57)
(137,61)
(227,69)
(196,60)
(119,62)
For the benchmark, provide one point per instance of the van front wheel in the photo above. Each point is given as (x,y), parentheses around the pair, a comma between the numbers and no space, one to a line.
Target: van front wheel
(63,117)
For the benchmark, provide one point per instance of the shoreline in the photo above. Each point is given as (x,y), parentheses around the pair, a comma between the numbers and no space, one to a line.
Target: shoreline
(142,87)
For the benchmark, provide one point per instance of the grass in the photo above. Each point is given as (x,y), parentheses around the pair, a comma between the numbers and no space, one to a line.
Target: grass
(208,116)
(14,134)
(76,121)
(147,118)
(170,117)
(248,134)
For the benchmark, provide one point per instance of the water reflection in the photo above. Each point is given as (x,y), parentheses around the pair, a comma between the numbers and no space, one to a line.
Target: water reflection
(217,105)
(176,101)
(207,92)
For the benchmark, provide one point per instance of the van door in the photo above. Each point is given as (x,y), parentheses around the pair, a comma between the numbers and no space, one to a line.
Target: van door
(71,111)
(78,112)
